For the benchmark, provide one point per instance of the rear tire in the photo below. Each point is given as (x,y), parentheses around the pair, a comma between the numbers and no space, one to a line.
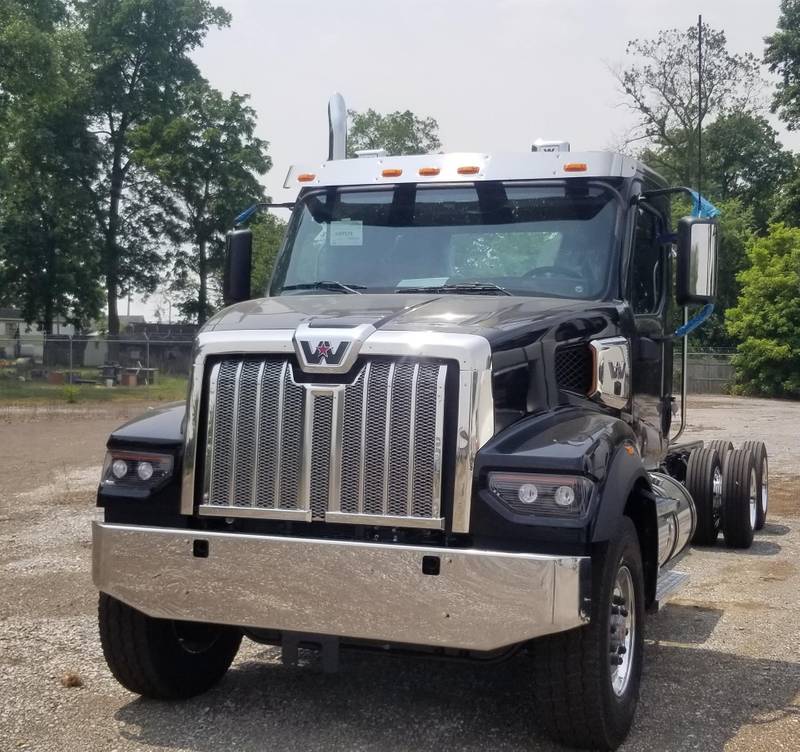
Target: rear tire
(161,658)
(587,680)
(759,450)
(723,447)
(704,483)
(739,499)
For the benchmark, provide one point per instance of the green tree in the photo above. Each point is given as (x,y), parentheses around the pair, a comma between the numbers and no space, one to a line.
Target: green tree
(782,56)
(209,158)
(139,62)
(767,317)
(268,234)
(397,132)
(661,88)
(47,260)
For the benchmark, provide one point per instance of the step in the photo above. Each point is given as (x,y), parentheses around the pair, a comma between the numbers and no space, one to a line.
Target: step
(669,582)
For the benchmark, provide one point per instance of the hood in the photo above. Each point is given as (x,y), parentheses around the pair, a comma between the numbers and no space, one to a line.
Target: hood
(498,318)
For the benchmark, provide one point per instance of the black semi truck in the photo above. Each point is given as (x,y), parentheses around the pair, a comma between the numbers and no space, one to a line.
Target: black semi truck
(447,428)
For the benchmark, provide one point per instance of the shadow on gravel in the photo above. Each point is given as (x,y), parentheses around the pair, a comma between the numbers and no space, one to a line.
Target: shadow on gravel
(691,698)
(761,548)
(771,528)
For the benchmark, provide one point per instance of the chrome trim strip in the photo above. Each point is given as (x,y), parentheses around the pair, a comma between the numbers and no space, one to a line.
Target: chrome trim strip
(385,520)
(387,438)
(304,484)
(279,441)
(335,462)
(212,412)
(237,383)
(481,600)
(215,510)
(257,443)
(364,403)
(411,435)
(436,501)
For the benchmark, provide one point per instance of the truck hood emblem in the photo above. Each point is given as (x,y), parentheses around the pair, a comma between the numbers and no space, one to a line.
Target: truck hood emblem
(334,350)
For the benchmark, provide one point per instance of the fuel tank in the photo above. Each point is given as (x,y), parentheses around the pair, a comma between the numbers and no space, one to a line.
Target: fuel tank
(677,516)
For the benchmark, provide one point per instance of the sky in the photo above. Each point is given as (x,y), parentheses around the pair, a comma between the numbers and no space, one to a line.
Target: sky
(496,74)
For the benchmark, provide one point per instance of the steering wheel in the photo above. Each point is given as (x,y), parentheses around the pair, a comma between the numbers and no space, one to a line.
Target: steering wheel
(553,271)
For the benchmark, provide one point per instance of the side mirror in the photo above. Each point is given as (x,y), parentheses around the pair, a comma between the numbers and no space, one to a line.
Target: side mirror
(238,258)
(697,260)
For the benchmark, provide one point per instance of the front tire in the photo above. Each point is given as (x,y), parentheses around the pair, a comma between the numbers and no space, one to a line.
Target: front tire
(587,680)
(161,658)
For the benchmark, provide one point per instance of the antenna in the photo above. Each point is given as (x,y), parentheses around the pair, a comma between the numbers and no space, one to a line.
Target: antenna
(700,107)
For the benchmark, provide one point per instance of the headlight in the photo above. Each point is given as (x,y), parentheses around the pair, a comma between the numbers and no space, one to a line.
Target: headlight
(141,470)
(542,495)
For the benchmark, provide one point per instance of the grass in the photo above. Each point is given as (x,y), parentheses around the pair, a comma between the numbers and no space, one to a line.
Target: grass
(12,390)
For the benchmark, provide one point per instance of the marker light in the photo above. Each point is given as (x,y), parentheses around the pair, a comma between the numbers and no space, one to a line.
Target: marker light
(468,170)
(306,177)
(576,167)
(429,171)
(392,172)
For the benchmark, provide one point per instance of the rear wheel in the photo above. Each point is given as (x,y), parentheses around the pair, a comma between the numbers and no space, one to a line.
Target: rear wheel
(723,447)
(704,483)
(587,680)
(759,450)
(739,499)
(162,658)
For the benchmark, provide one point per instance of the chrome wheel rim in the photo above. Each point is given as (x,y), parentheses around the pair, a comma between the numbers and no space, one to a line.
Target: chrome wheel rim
(764,487)
(753,497)
(716,495)
(622,631)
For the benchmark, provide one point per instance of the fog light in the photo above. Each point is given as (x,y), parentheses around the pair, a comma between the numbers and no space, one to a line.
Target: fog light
(564,496)
(119,469)
(528,493)
(144,470)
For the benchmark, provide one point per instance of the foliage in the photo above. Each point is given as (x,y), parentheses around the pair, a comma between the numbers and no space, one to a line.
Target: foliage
(661,88)
(47,262)
(397,132)
(208,158)
(139,63)
(782,56)
(268,232)
(767,317)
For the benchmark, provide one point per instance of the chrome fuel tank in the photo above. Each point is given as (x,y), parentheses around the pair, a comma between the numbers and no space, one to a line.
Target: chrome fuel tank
(677,516)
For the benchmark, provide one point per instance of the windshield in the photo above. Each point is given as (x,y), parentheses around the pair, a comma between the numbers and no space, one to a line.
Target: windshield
(492,238)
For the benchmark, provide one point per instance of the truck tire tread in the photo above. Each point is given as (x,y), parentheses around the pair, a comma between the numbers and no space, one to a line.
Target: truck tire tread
(736,525)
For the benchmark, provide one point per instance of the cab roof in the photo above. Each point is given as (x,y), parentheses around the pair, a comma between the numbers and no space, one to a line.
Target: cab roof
(466,167)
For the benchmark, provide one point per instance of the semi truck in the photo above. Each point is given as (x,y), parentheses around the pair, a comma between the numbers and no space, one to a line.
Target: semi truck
(449,427)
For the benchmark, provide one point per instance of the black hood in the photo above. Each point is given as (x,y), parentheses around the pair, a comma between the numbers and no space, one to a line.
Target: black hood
(498,318)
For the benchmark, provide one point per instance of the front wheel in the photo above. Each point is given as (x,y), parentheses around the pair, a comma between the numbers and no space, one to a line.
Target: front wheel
(161,658)
(587,680)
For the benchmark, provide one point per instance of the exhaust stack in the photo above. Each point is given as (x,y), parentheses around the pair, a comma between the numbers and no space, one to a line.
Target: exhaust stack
(337,127)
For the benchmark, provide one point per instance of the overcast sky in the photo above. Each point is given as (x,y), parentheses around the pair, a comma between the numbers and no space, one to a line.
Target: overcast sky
(496,74)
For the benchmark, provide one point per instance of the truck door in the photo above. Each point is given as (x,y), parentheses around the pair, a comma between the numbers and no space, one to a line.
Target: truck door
(652,356)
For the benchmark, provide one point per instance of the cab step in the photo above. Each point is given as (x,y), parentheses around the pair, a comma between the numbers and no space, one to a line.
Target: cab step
(669,581)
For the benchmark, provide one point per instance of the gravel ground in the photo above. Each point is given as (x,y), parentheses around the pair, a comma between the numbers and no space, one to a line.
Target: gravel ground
(722,669)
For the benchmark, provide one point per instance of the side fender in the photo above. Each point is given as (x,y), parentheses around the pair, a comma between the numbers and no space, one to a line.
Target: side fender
(162,426)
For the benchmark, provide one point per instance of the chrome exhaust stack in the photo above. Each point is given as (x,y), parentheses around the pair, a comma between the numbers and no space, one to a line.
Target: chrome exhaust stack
(337,127)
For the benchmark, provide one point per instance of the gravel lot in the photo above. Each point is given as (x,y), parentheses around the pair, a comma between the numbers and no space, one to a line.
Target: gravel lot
(723,659)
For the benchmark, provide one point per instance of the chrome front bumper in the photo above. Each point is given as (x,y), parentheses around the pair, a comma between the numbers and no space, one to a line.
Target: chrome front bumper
(480,600)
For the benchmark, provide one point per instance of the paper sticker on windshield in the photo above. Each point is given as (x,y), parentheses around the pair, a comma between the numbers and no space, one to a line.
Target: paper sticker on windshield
(347,232)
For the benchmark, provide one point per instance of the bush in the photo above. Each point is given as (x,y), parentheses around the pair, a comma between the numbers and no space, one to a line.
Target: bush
(767,316)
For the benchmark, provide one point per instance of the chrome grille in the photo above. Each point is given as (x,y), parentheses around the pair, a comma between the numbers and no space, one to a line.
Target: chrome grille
(366,452)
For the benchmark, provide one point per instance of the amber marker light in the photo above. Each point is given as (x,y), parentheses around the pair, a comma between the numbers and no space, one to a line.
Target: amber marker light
(306,177)
(576,167)
(392,172)
(429,172)
(468,170)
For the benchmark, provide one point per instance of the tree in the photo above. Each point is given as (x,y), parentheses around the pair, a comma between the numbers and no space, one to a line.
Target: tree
(661,88)
(397,132)
(47,260)
(268,233)
(767,317)
(208,157)
(139,62)
(782,56)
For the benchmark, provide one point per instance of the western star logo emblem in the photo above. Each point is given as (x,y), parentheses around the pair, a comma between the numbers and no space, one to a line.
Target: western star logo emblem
(323,353)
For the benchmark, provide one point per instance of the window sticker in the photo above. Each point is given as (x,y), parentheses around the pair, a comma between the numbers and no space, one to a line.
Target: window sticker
(423,282)
(347,232)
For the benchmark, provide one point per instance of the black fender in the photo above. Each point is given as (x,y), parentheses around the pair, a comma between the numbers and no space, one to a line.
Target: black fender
(162,426)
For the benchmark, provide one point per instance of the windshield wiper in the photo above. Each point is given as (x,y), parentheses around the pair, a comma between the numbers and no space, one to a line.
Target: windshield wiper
(478,288)
(327,284)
